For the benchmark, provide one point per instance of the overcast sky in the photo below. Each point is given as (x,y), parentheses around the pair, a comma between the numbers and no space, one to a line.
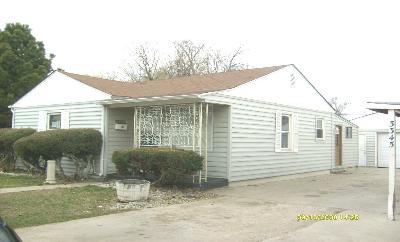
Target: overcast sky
(348,49)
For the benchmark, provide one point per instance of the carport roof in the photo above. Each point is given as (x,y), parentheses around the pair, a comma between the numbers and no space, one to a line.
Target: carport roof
(187,85)
(383,107)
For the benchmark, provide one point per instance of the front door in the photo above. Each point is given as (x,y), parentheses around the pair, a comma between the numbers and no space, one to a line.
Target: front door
(338,145)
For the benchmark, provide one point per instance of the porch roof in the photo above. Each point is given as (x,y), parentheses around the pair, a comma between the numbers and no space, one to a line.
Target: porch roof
(189,85)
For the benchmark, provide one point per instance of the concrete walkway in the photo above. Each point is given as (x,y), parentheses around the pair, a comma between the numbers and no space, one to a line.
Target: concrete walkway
(264,212)
(43,187)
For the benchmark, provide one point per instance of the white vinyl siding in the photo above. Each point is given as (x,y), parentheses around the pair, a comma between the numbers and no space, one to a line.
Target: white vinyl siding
(218,153)
(65,119)
(370,137)
(82,115)
(253,132)
(118,139)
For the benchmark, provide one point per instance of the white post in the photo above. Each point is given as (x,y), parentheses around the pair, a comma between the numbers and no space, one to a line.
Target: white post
(200,127)
(139,132)
(194,127)
(51,172)
(200,134)
(392,165)
(206,147)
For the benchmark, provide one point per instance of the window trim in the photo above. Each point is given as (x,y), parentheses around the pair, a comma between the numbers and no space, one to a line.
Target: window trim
(322,128)
(48,120)
(347,132)
(289,132)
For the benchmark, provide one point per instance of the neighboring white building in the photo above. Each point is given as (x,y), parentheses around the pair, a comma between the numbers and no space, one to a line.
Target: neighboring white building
(373,140)
(248,124)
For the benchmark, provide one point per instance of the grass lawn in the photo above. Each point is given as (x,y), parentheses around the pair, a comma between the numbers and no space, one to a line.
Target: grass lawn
(23,209)
(20,180)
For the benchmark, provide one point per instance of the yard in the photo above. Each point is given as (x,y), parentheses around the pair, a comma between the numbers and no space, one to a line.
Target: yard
(20,180)
(23,209)
(48,206)
(263,212)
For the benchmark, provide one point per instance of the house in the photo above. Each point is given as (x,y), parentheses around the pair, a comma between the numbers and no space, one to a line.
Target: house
(373,140)
(247,124)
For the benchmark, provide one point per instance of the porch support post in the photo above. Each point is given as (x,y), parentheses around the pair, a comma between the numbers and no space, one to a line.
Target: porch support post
(206,146)
(392,165)
(200,127)
(104,132)
(135,138)
(194,127)
(200,134)
(139,134)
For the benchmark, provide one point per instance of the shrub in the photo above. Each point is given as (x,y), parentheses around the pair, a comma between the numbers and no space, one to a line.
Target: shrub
(47,145)
(166,166)
(80,145)
(7,139)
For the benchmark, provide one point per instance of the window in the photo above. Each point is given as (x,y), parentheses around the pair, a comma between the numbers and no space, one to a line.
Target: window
(319,126)
(349,132)
(174,125)
(54,121)
(285,132)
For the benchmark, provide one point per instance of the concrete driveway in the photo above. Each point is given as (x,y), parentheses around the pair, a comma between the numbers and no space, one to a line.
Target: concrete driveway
(264,212)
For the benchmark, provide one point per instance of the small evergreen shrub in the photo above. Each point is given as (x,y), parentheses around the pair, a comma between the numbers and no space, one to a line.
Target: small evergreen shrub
(80,145)
(46,145)
(7,139)
(166,166)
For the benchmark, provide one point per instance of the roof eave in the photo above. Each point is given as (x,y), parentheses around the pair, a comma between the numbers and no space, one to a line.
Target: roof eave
(127,100)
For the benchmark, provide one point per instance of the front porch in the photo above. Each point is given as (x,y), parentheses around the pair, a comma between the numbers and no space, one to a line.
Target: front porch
(196,125)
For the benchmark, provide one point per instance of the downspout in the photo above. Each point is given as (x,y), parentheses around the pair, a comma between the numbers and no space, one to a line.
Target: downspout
(13,118)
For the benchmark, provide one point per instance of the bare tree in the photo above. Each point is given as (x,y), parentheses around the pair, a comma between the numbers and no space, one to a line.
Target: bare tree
(188,59)
(338,106)
(216,62)
(110,75)
(145,66)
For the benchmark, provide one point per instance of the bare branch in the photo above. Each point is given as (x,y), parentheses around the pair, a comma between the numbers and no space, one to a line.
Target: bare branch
(339,107)
(188,59)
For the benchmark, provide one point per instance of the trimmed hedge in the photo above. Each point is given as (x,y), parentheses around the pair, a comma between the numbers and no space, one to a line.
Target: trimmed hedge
(46,145)
(80,145)
(7,139)
(166,166)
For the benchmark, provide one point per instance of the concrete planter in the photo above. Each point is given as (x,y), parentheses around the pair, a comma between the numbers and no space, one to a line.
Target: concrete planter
(132,190)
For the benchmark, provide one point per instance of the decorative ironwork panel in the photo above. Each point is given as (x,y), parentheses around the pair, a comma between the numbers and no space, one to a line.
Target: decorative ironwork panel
(150,126)
(170,125)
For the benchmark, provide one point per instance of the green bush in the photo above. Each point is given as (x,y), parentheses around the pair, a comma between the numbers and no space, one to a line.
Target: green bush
(166,166)
(80,145)
(7,139)
(47,145)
